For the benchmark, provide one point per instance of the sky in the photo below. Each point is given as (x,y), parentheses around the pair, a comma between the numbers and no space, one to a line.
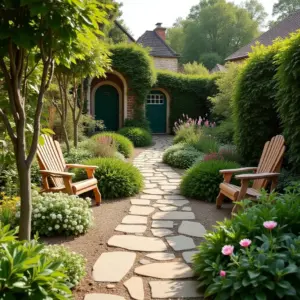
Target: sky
(142,15)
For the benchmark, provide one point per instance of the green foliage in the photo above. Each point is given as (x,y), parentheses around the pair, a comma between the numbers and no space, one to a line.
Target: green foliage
(224,133)
(210,59)
(135,63)
(256,11)
(186,134)
(139,136)
(203,179)
(8,208)
(116,178)
(195,69)
(226,83)
(175,36)
(27,273)
(59,214)
(269,267)
(189,93)
(229,153)
(123,144)
(137,123)
(174,148)
(255,116)
(206,144)
(288,101)
(76,156)
(283,8)
(72,262)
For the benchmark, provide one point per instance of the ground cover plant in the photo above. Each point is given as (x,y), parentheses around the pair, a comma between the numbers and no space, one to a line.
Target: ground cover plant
(138,136)
(116,178)
(255,255)
(202,180)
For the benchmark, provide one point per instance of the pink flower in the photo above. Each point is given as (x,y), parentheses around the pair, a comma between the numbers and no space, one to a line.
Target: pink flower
(270,224)
(222,273)
(227,250)
(245,243)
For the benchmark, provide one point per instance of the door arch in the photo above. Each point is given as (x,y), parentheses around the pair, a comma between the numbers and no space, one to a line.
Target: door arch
(107,106)
(156,111)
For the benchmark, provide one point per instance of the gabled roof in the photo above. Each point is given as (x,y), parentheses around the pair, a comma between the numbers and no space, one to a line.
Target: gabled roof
(118,24)
(159,47)
(282,29)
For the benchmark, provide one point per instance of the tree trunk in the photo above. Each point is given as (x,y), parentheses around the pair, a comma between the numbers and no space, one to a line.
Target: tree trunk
(66,138)
(75,134)
(25,194)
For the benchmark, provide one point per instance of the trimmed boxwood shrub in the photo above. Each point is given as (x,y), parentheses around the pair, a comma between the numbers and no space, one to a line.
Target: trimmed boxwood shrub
(183,159)
(189,93)
(269,268)
(255,116)
(124,145)
(139,136)
(116,178)
(203,179)
(174,148)
(288,101)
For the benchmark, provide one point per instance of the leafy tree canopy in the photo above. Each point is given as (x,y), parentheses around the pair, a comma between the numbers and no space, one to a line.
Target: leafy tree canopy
(256,11)
(283,8)
(195,69)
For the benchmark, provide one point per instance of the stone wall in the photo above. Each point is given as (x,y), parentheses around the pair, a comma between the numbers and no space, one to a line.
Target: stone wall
(166,63)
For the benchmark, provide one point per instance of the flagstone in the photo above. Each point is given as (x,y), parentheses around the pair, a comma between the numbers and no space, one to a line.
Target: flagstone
(137,243)
(169,187)
(113,266)
(174,215)
(192,229)
(161,256)
(151,197)
(162,224)
(161,232)
(154,191)
(97,296)
(129,219)
(175,180)
(131,228)
(174,289)
(141,210)
(181,242)
(173,202)
(158,205)
(135,288)
(171,175)
(168,208)
(188,255)
(145,262)
(187,208)
(175,197)
(140,202)
(150,185)
(165,270)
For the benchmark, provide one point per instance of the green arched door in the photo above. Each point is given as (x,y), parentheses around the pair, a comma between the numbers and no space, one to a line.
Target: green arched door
(107,106)
(156,111)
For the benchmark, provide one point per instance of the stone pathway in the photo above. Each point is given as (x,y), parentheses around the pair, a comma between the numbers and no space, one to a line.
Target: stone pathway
(160,227)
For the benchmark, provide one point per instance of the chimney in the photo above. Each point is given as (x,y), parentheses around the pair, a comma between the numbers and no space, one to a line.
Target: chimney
(161,31)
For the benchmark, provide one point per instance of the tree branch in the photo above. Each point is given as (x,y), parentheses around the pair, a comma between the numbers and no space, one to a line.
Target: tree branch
(8,127)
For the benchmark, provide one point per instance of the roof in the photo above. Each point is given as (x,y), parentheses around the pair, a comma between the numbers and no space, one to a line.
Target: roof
(282,29)
(218,68)
(159,47)
(118,24)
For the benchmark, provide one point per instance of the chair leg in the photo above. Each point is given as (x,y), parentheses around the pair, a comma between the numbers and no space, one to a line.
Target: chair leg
(97,195)
(220,199)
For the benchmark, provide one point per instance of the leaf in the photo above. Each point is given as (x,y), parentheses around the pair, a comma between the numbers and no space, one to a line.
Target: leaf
(41,140)
(253,274)
(47,131)
(292,268)
(260,296)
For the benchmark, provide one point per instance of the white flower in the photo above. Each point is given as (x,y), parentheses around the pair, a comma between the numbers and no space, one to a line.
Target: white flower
(43,217)
(49,228)
(53,216)
(56,226)
(59,216)
(17,214)
(65,226)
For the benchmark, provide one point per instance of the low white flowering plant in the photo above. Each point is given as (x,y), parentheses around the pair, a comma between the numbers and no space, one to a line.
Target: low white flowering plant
(59,214)
(72,262)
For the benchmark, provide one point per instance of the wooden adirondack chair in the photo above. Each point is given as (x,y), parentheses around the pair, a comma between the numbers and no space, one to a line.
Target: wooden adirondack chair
(55,175)
(267,170)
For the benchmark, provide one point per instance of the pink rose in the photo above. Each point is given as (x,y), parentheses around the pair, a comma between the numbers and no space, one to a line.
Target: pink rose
(222,273)
(227,250)
(245,243)
(270,224)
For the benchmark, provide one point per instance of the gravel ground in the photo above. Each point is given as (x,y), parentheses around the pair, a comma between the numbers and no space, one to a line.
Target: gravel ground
(107,217)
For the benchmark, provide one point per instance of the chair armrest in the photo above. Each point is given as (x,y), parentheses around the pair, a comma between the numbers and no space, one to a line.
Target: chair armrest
(56,173)
(81,166)
(231,171)
(257,176)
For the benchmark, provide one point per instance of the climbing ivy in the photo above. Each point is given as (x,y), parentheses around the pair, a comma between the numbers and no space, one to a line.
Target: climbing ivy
(135,63)
(189,93)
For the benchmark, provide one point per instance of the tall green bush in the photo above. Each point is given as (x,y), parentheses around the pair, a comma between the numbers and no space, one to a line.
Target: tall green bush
(288,101)
(255,115)
(189,93)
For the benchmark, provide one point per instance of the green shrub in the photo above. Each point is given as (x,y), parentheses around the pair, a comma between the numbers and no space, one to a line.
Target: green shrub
(255,116)
(174,148)
(224,133)
(145,124)
(288,101)
(77,156)
(229,153)
(203,179)
(186,134)
(206,144)
(8,209)
(72,262)
(59,214)
(27,273)
(286,178)
(139,136)
(269,268)
(123,144)
(116,178)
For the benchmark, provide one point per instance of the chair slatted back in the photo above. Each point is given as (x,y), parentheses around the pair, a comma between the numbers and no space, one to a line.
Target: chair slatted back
(271,159)
(50,158)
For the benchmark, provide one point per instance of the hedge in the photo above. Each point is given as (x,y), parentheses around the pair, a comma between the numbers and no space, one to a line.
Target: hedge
(288,98)
(255,116)
(135,63)
(189,93)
